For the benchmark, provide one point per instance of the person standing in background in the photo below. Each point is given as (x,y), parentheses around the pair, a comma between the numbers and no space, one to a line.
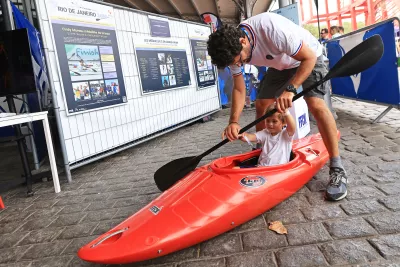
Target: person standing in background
(341,30)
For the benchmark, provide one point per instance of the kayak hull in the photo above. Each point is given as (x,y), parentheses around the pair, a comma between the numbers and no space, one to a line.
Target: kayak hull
(209,201)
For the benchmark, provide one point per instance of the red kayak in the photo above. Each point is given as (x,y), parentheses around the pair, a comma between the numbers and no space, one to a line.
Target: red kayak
(209,201)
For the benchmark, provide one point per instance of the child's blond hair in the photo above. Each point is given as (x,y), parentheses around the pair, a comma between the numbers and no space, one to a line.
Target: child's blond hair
(280,116)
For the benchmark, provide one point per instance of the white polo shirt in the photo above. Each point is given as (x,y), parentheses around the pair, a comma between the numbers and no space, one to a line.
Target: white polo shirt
(275,40)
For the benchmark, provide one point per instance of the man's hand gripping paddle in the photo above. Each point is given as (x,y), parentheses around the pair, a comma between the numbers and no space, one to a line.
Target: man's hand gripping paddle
(358,59)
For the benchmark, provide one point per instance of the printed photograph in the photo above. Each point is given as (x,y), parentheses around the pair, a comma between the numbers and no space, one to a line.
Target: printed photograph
(81,91)
(163,69)
(84,70)
(169,59)
(201,76)
(165,81)
(97,90)
(170,68)
(201,60)
(112,87)
(205,75)
(161,57)
(172,80)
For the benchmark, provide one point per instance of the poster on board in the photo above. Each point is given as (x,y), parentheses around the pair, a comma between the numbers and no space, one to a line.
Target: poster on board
(88,54)
(162,64)
(159,27)
(205,71)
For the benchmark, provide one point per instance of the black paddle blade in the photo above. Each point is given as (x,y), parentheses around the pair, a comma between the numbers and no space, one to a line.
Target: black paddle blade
(173,171)
(359,58)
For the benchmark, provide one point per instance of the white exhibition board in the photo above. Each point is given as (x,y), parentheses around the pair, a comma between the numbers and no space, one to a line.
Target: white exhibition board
(95,131)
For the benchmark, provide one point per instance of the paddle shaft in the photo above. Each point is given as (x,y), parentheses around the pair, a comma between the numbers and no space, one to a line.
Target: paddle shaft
(247,127)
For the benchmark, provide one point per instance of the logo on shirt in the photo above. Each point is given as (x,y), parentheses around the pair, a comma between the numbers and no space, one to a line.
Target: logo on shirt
(252,181)
(269,57)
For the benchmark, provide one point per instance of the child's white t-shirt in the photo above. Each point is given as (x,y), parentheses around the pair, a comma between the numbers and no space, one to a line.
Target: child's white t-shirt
(275,149)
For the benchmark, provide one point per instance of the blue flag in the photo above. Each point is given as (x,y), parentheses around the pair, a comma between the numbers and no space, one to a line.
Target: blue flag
(38,60)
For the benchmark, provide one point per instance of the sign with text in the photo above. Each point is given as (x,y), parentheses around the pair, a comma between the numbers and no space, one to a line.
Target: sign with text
(204,69)
(159,27)
(88,54)
(162,64)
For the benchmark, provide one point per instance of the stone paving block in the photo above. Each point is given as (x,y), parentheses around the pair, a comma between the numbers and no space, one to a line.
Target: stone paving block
(390,189)
(385,223)
(17,264)
(385,177)
(363,192)
(360,207)
(350,228)
(303,234)
(105,226)
(254,224)
(390,157)
(377,151)
(395,149)
(190,253)
(37,224)
(100,215)
(101,205)
(68,219)
(9,255)
(77,262)
(388,245)
(72,246)
(385,167)
(9,240)
(126,212)
(52,262)
(380,263)
(44,250)
(45,213)
(74,208)
(253,259)
(349,252)
(40,236)
(18,216)
(44,204)
(262,239)
(323,213)
(370,133)
(79,230)
(392,203)
(393,135)
(220,245)
(209,263)
(300,256)
(293,202)
(285,216)
(65,201)
(317,199)
(379,141)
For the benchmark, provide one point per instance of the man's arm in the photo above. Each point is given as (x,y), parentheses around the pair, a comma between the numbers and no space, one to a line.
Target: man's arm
(238,97)
(307,60)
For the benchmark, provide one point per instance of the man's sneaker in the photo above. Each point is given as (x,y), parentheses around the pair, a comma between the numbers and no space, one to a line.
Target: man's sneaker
(337,187)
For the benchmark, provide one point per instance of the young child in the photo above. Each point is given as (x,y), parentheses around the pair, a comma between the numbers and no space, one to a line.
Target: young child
(276,142)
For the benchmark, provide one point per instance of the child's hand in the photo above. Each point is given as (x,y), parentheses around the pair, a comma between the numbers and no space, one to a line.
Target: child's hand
(241,137)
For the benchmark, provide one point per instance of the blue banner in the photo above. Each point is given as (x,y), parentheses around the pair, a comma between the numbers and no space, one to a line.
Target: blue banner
(42,83)
(380,83)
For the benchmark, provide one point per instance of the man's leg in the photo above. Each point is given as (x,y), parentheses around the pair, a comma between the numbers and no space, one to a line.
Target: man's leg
(337,187)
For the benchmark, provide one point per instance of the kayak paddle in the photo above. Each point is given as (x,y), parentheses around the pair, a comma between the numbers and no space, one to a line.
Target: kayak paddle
(358,59)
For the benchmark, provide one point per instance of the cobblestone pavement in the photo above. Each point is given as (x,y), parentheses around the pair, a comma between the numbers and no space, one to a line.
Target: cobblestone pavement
(361,230)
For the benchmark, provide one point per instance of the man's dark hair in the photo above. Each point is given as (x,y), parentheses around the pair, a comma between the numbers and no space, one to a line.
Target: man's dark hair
(335,28)
(223,45)
(324,30)
(341,28)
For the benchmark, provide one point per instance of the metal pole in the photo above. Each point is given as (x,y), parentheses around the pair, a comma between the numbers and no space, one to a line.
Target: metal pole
(319,29)
(28,9)
(56,107)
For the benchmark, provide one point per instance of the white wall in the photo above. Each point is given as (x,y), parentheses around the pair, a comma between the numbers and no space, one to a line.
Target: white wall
(94,132)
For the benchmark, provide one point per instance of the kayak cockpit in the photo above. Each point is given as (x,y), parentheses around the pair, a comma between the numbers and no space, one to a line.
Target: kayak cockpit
(248,162)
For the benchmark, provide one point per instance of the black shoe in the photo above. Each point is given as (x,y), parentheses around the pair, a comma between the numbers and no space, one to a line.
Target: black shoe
(337,187)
